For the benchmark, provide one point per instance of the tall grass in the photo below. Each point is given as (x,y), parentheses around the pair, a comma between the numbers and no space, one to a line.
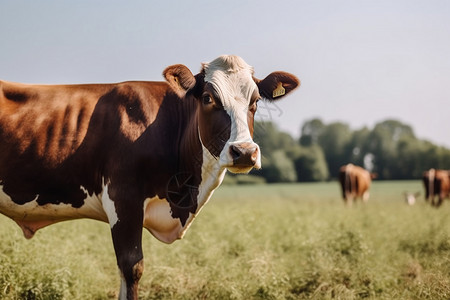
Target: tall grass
(251,242)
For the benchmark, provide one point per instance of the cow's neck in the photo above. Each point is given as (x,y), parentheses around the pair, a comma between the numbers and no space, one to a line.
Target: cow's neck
(197,166)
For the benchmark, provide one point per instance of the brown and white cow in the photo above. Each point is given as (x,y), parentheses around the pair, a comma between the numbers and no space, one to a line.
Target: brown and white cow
(437,184)
(133,154)
(355,183)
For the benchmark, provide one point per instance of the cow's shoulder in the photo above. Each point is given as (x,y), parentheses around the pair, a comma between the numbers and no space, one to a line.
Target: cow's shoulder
(132,106)
(15,93)
(144,90)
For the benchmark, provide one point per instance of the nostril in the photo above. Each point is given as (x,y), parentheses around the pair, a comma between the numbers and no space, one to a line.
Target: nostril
(235,152)
(244,155)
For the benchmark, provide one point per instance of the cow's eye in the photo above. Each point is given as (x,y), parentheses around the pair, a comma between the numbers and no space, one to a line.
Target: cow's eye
(207,99)
(255,103)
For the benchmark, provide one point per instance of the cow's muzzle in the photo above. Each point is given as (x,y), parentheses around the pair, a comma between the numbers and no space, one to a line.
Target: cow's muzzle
(245,156)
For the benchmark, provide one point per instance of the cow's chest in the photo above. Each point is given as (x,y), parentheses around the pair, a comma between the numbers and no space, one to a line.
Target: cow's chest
(159,221)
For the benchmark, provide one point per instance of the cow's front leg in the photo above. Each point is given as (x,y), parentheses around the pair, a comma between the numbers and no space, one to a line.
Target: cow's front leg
(125,215)
(127,239)
(440,199)
(435,202)
(349,199)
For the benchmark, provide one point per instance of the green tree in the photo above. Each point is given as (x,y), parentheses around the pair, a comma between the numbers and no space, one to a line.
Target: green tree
(310,132)
(270,138)
(356,150)
(278,168)
(334,140)
(310,164)
(277,163)
(433,156)
(406,163)
(382,143)
(390,149)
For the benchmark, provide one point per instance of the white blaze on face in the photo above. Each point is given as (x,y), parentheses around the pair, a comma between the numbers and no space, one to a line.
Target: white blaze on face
(232,79)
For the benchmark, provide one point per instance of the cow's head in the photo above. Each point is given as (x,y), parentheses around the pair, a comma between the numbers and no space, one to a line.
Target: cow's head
(228,95)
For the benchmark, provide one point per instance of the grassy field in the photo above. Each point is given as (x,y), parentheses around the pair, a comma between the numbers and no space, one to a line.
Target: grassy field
(251,242)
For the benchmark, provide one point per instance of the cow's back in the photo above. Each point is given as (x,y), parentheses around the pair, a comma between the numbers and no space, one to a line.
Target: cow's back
(50,122)
(46,122)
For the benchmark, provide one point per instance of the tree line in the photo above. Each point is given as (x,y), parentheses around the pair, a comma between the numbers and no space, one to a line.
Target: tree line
(390,149)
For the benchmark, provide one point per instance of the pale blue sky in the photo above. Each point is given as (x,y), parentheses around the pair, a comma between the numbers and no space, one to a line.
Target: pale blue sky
(359,61)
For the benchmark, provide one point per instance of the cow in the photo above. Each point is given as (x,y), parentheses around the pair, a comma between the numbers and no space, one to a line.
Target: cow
(134,154)
(437,184)
(355,183)
(410,198)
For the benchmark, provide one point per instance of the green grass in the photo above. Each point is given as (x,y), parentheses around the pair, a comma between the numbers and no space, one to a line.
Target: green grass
(251,242)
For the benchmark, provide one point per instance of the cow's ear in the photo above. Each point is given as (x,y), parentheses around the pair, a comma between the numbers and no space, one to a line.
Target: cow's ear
(180,78)
(277,85)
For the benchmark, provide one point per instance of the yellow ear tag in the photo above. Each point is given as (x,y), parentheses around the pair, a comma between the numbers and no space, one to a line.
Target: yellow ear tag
(279,91)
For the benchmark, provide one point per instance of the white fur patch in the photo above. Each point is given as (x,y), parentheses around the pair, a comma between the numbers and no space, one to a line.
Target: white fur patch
(123,287)
(32,211)
(410,199)
(109,207)
(157,213)
(158,220)
(212,176)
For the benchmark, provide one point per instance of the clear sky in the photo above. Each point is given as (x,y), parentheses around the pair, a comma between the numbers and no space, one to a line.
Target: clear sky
(359,61)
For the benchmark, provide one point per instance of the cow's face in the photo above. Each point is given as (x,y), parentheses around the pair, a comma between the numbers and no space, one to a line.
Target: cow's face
(228,95)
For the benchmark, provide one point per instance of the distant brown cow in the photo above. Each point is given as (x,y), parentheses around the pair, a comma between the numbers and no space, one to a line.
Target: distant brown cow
(437,183)
(355,182)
